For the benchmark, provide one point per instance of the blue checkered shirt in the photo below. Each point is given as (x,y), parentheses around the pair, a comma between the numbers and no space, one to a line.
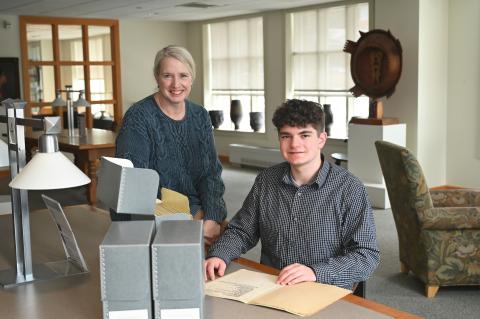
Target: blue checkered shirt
(327,225)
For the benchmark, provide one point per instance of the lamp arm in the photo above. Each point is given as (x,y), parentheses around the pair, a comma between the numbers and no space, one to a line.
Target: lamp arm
(44,123)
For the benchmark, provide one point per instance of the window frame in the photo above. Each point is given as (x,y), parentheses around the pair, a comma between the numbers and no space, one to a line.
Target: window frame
(209,92)
(57,63)
(320,93)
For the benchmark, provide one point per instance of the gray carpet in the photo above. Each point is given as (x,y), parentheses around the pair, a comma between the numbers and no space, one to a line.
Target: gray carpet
(387,285)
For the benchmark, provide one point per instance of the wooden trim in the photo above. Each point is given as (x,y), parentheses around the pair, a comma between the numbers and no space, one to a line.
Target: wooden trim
(374,121)
(114,60)
(4,173)
(68,21)
(86,74)
(446,187)
(24,55)
(62,63)
(116,74)
(351,298)
(224,159)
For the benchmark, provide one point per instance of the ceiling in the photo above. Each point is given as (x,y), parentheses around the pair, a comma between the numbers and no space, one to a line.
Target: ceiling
(160,10)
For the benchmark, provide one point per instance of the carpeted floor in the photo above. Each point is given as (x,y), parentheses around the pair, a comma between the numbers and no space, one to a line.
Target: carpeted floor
(387,285)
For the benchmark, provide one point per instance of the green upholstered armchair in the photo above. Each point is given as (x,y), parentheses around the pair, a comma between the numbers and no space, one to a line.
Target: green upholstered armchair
(438,231)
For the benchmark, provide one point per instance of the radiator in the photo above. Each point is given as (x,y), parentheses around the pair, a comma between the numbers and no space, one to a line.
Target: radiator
(254,155)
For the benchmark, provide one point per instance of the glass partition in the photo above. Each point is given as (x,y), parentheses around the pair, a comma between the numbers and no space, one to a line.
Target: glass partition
(99,43)
(39,41)
(70,42)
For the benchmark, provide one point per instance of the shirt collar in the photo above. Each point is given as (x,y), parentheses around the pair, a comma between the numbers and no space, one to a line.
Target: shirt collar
(319,179)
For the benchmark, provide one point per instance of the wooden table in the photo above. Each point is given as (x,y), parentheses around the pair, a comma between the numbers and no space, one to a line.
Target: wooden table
(78,297)
(87,151)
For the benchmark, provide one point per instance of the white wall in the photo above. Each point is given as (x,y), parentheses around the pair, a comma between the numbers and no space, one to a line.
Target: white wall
(139,43)
(10,39)
(433,90)
(401,18)
(463,128)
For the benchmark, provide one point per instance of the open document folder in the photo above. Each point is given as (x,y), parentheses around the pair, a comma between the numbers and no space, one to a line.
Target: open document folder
(255,288)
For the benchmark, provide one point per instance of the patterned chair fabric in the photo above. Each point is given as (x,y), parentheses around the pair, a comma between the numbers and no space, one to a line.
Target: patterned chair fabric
(438,231)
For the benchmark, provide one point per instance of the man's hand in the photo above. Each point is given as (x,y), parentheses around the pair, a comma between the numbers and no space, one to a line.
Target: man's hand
(212,264)
(211,231)
(295,273)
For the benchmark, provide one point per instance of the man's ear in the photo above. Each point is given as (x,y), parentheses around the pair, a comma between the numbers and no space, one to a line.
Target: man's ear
(322,139)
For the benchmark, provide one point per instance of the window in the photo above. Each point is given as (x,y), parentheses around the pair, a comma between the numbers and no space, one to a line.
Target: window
(234,69)
(319,69)
(83,53)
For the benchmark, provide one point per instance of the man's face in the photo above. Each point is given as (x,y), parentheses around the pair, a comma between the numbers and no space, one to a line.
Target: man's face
(301,146)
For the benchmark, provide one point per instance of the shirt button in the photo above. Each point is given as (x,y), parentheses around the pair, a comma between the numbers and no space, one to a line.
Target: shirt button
(299,194)
(295,218)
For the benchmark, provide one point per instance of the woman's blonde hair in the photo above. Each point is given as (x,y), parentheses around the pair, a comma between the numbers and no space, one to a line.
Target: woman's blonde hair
(176,52)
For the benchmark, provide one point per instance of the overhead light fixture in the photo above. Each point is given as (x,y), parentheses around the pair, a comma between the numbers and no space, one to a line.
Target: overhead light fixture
(200,5)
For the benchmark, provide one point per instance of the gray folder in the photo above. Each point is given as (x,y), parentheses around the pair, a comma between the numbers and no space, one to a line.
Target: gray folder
(177,268)
(125,189)
(125,268)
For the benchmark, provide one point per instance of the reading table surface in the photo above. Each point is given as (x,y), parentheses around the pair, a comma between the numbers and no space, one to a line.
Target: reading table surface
(79,296)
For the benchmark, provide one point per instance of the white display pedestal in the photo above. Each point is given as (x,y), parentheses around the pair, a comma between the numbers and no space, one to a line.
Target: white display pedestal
(363,160)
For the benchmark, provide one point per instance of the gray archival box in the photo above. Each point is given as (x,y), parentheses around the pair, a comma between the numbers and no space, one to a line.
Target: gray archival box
(127,189)
(125,269)
(177,269)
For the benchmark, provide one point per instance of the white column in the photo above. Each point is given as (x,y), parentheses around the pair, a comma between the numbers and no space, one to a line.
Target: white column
(363,160)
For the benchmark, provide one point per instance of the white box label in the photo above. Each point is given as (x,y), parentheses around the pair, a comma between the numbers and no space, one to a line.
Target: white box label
(190,313)
(129,314)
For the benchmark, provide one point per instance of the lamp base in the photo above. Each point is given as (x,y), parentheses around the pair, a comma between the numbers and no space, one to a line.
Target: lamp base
(41,272)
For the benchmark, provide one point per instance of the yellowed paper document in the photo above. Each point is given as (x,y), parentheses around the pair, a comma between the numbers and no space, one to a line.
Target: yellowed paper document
(172,203)
(256,288)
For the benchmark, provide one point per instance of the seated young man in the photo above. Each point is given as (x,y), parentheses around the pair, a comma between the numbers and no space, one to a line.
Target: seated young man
(313,218)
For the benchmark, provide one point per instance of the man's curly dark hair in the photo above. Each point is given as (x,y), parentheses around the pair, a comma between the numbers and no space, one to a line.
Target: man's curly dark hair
(299,113)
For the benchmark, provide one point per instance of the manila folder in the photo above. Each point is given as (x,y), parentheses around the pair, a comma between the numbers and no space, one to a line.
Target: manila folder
(303,299)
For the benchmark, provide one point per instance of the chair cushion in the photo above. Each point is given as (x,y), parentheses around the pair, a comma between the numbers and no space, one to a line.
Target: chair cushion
(450,218)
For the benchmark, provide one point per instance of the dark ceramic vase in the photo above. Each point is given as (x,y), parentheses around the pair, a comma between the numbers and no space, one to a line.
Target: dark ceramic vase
(216,117)
(256,121)
(236,113)
(327,111)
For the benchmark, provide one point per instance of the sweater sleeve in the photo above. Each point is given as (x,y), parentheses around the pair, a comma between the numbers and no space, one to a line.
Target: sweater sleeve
(211,187)
(133,141)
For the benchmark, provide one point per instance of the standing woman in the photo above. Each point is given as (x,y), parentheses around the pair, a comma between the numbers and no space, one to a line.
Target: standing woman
(172,135)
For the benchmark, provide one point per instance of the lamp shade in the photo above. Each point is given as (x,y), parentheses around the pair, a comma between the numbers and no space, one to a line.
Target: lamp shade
(58,100)
(81,101)
(49,171)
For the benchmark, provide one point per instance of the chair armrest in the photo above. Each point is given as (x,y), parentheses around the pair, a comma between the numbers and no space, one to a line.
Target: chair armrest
(450,218)
(455,198)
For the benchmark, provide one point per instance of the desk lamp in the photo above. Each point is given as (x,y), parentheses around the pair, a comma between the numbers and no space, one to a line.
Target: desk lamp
(49,169)
(59,102)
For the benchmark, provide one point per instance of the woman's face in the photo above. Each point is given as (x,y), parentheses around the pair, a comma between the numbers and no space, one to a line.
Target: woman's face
(174,81)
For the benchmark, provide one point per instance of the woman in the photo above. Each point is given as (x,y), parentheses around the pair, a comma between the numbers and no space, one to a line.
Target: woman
(172,135)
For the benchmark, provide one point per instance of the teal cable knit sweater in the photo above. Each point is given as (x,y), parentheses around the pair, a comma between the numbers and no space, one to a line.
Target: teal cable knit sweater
(182,152)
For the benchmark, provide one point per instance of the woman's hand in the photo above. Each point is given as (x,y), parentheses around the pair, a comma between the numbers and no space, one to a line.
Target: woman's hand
(211,231)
